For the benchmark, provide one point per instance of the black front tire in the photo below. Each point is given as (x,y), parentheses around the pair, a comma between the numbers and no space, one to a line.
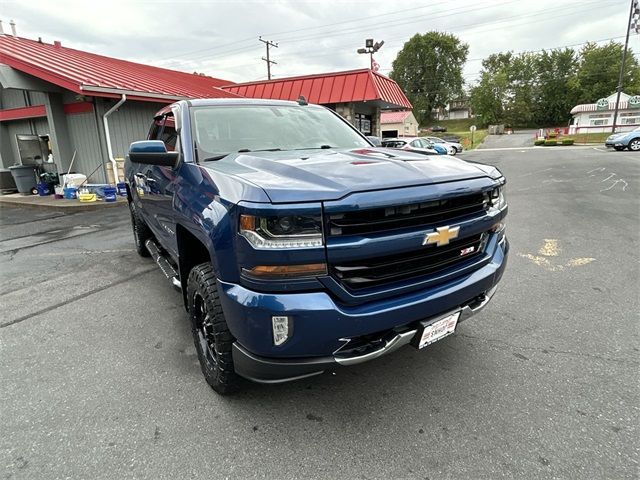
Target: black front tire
(634,145)
(141,232)
(211,334)
(619,149)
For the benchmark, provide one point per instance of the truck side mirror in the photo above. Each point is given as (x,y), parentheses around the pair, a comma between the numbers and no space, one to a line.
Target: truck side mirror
(153,152)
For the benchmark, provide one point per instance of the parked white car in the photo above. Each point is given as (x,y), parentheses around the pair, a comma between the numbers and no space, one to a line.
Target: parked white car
(414,144)
(457,147)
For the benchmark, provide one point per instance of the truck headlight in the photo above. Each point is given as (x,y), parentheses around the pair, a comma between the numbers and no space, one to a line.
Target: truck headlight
(498,197)
(288,231)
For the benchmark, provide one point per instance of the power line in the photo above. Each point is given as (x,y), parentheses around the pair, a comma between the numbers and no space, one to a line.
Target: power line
(354,31)
(544,13)
(359,20)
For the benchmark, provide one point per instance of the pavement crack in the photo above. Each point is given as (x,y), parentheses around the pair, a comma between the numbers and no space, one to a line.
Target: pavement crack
(75,299)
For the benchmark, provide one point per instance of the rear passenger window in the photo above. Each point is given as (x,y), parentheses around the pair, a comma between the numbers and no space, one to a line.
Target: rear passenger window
(165,129)
(168,134)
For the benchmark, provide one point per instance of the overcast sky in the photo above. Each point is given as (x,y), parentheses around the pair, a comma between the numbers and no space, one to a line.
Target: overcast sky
(220,38)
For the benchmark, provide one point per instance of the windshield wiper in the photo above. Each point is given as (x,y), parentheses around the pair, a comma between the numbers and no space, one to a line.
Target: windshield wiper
(321,147)
(247,150)
(215,157)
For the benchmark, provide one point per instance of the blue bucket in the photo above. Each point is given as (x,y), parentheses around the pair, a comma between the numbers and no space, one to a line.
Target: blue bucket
(110,194)
(122,189)
(43,189)
(70,193)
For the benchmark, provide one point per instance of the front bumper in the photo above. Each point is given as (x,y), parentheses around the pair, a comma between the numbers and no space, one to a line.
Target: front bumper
(272,370)
(322,326)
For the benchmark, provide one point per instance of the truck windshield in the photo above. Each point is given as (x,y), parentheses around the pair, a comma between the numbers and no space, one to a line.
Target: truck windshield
(220,130)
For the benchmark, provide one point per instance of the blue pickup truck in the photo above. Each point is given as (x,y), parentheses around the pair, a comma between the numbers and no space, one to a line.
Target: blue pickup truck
(300,247)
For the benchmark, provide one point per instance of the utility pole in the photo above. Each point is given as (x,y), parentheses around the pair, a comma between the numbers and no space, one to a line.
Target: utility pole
(268,44)
(624,58)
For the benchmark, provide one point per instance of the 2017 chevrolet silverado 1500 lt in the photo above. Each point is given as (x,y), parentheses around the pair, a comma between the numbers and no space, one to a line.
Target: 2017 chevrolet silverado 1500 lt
(299,246)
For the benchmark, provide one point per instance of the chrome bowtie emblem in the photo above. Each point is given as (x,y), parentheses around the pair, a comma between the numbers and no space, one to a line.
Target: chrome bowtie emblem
(441,236)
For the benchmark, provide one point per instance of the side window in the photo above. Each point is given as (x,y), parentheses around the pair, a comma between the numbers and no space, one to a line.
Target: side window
(416,143)
(168,133)
(155,129)
(164,128)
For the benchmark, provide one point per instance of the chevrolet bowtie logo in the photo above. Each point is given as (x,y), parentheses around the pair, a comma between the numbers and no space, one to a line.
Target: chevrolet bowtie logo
(441,236)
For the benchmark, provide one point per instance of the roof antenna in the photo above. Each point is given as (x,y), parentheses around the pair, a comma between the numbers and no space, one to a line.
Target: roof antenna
(13,28)
(302,100)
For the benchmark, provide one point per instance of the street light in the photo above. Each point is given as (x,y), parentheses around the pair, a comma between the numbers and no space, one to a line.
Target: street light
(370,47)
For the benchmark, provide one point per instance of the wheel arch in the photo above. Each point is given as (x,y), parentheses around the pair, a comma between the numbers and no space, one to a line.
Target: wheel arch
(191,252)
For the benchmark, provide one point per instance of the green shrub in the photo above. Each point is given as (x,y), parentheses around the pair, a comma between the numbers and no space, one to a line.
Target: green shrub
(552,135)
(567,141)
(539,142)
(548,143)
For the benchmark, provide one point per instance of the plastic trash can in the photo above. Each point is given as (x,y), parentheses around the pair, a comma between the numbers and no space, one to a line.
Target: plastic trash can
(24,176)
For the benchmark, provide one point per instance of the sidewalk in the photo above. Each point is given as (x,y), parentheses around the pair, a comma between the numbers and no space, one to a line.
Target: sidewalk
(62,205)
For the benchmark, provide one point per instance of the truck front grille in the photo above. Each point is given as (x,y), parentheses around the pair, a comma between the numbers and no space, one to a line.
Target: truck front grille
(428,260)
(378,220)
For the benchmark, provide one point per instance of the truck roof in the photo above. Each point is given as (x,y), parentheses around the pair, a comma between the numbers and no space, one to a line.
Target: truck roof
(210,102)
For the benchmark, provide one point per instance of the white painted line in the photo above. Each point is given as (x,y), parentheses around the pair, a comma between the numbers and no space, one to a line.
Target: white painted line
(612,175)
(560,147)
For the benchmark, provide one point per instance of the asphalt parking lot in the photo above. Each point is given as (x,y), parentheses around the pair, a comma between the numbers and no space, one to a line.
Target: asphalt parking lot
(99,377)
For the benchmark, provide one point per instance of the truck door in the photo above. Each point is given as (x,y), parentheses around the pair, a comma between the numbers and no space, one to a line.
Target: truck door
(159,185)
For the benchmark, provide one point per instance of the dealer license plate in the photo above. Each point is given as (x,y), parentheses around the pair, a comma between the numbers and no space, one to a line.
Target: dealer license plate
(439,329)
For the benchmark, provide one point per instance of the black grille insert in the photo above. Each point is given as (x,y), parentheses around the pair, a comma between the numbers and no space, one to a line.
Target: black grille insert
(429,260)
(407,216)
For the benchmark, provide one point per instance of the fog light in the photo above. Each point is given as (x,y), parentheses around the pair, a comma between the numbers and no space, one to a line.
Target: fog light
(282,329)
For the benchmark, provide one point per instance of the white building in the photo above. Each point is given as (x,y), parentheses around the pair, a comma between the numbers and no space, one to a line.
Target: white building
(398,124)
(598,117)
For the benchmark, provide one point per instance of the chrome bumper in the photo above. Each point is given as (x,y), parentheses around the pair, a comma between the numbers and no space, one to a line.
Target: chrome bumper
(401,339)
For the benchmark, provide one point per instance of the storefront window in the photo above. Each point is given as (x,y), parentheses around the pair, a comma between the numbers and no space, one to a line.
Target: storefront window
(630,118)
(363,123)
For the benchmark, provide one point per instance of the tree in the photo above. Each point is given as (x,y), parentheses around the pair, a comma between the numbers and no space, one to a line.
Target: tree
(429,70)
(540,89)
(505,92)
(558,90)
(488,97)
(599,69)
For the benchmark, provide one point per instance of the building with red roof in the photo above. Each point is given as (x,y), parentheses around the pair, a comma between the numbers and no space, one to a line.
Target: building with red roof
(71,103)
(54,99)
(400,123)
(358,95)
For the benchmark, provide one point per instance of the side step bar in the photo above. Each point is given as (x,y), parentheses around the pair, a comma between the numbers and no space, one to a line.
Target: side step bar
(164,264)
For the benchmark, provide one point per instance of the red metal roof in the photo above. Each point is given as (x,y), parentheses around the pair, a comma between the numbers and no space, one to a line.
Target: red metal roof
(339,87)
(394,117)
(91,74)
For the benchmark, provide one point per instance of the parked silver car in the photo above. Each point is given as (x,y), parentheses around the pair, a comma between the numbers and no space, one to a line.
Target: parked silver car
(446,143)
(415,144)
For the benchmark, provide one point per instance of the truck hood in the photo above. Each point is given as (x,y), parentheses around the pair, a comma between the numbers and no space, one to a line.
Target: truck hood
(322,175)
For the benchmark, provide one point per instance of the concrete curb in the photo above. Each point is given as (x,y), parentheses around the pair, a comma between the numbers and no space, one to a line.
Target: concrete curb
(61,205)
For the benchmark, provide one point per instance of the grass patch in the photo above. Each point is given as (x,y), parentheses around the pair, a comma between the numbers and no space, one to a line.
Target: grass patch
(465,137)
(590,137)
(459,125)
(460,128)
